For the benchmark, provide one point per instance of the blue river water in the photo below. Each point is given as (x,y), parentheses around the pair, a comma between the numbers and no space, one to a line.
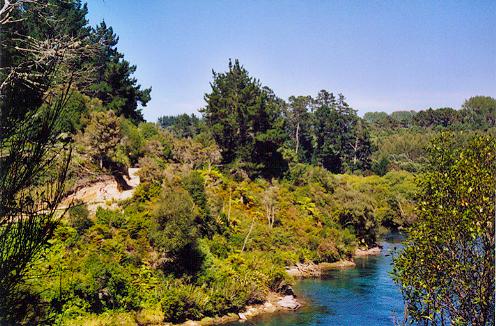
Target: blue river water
(365,295)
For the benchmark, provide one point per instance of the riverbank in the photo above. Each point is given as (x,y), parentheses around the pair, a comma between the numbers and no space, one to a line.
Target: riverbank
(275,302)
(374,251)
(364,295)
(305,270)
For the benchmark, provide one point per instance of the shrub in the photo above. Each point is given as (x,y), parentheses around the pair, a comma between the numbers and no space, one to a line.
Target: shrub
(109,217)
(151,169)
(327,251)
(174,232)
(180,303)
(79,217)
(150,316)
(194,183)
(303,174)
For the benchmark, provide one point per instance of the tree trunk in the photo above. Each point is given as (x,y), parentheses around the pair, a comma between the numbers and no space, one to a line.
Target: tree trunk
(229,209)
(297,137)
(355,149)
(248,235)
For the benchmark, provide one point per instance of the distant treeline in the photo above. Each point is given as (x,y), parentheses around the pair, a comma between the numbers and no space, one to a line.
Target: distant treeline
(478,112)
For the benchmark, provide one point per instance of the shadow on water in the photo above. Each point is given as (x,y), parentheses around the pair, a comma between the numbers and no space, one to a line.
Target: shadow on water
(365,295)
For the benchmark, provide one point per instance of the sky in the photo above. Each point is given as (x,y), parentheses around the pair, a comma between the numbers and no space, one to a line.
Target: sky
(382,55)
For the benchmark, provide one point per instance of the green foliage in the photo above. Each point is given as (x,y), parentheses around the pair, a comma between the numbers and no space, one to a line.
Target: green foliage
(75,112)
(327,251)
(132,140)
(35,87)
(200,241)
(110,218)
(403,150)
(480,112)
(381,166)
(246,122)
(79,217)
(174,250)
(446,268)
(148,130)
(443,117)
(303,174)
(342,140)
(356,211)
(182,126)
(101,137)
(377,118)
(174,216)
(300,125)
(115,84)
(367,203)
(195,185)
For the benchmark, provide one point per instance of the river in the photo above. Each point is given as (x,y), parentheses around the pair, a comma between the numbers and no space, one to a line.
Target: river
(365,295)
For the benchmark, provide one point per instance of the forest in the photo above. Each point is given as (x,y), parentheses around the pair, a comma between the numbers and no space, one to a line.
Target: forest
(229,197)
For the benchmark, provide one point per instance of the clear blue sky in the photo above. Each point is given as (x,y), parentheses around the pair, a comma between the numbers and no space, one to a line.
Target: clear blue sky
(382,55)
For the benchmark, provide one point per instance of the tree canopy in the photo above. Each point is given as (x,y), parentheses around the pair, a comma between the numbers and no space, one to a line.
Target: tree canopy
(246,121)
(114,81)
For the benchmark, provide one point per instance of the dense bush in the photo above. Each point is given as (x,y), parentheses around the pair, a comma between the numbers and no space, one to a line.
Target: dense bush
(197,243)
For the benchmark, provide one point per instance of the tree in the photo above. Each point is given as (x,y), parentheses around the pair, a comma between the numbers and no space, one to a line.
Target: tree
(480,111)
(446,269)
(194,153)
(360,148)
(195,185)
(174,231)
(299,124)
(115,84)
(342,139)
(443,117)
(181,125)
(403,118)
(69,15)
(246,121)
(379,120)
(355,210)
(269,201)
(101,137)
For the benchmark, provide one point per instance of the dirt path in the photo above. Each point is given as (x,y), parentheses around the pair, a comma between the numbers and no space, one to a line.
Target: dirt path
(105,193)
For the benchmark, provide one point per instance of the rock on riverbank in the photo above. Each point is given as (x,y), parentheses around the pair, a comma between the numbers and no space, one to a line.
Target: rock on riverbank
(316,270)
(374,251)
(275,302)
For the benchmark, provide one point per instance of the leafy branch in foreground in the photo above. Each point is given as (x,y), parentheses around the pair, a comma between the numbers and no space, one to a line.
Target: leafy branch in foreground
(446,269)
(35,82)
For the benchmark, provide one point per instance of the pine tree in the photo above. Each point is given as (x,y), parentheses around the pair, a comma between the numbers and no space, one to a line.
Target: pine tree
(115,84)
(327,132)
(246,121)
